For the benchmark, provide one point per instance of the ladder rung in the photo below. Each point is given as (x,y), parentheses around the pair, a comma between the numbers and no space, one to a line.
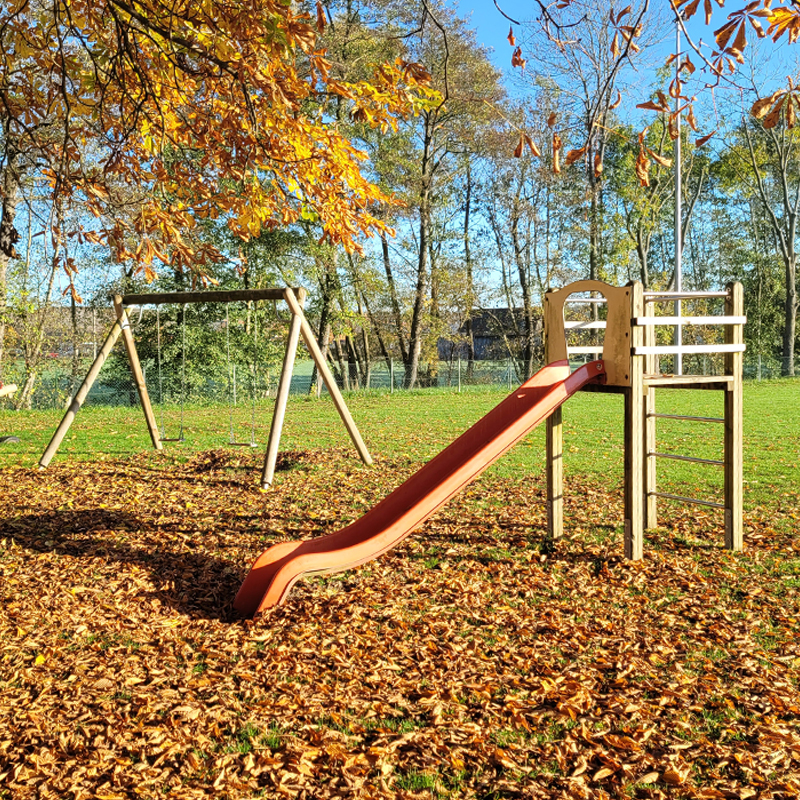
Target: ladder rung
(692,500)
(688,458)
(682,416)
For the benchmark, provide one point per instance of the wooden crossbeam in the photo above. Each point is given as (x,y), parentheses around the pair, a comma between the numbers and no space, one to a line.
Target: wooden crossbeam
(223,296)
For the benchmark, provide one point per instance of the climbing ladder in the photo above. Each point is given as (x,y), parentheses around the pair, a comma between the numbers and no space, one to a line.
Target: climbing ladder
(632,357)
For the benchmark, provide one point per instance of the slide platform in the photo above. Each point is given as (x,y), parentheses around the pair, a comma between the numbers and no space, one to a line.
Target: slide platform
(275,571)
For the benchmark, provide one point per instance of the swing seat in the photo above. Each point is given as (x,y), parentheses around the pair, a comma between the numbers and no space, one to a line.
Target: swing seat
(242,444)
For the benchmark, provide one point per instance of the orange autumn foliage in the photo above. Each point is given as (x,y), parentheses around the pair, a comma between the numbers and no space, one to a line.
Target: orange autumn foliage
(190,111)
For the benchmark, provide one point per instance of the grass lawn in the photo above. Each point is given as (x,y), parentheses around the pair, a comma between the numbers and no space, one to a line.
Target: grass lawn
(475,660)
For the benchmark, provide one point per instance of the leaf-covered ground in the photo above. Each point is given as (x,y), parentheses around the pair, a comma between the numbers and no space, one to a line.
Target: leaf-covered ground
(473,661)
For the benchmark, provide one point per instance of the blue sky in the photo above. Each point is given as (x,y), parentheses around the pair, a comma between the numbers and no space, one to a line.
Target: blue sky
(492,27)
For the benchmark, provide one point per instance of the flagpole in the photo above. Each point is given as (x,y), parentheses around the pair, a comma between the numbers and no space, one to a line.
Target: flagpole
(678,210)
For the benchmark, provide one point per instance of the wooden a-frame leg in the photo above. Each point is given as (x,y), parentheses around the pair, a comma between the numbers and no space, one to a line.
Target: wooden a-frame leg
(271,457)
(327,377)
(136,369)
(80,395)
(555,475)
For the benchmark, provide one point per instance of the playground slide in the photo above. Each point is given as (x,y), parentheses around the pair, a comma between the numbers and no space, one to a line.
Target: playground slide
(388,523)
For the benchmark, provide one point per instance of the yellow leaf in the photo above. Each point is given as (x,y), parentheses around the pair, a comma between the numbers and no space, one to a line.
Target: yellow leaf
(574,155)
(674,777)
(532,146)
(662,160)
(771,119)
(40,659)
(762,105)
(602,773)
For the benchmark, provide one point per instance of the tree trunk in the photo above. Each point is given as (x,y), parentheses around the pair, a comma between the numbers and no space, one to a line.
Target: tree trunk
(642,250)
(3,309)
(35,341)
(528,321)
(326,263)
(417,332)
(8,239)
(790,312)
(470,278)
(398,317)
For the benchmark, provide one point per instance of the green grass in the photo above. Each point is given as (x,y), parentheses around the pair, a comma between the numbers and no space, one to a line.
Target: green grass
(412,427)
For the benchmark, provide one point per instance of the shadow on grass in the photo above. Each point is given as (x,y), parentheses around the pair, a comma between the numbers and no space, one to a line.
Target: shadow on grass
(193,582)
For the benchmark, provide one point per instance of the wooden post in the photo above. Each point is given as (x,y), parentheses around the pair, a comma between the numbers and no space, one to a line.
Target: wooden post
(555,475)
(136,369)
(80,395)
(635,437)
(733,458)
(271,457)
(651,472)
(330,382)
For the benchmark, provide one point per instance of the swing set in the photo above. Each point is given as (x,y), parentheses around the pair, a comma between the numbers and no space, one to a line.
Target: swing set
(294,298)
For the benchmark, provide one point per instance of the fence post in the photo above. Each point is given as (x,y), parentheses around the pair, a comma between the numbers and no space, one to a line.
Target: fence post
(391,376)
(459,374)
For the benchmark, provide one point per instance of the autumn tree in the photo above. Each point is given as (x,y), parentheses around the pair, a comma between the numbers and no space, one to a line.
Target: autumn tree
(585,50)
(442,134)
(646,212)
(212,110)
(529,210)
(771,155)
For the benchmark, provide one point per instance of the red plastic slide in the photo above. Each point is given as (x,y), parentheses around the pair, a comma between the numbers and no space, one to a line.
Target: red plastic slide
(389,522)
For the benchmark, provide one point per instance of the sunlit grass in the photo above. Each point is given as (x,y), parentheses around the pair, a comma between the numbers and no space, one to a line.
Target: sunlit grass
(409,428)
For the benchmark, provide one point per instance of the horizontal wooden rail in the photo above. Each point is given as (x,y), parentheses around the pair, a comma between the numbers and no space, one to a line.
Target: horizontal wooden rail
(585,350)
(234,296)
(685,417)
(661,297)
(692,459)
(688,349)
(721,320)
(691,500)
(597,324)
(586,300)
(689,381)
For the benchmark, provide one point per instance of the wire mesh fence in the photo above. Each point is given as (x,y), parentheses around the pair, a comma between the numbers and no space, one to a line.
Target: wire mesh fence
(237,385)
